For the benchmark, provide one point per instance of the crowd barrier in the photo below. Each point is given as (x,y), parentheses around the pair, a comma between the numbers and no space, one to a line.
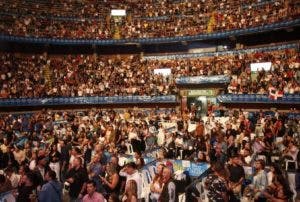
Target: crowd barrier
(258,98)
(219,79)
(214,35)
(88,100)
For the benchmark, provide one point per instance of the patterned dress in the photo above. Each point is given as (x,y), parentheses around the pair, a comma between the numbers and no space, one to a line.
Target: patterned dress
(215,187)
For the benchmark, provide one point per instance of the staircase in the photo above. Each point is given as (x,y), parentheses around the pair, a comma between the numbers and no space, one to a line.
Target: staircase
(47,75)
(211,23)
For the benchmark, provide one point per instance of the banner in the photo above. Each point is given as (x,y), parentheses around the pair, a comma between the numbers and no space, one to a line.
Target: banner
(219,79)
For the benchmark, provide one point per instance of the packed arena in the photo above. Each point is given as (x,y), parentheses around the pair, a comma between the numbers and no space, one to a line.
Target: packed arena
(150,101)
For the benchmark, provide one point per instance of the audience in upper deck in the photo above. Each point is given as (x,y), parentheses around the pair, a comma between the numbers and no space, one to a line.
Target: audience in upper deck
(81,20)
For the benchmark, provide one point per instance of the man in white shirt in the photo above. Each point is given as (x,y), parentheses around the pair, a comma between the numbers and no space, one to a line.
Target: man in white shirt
(131,173)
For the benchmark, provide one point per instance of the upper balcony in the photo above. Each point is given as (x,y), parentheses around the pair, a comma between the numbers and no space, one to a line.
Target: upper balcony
(148,23)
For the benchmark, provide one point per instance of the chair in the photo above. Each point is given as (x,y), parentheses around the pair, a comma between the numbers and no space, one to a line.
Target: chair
(292,183)
(262,157)
(122,161)
(181,197)
(151,170)
(289,162)
(274,159)
(129,149)
(145,185)
(146,175)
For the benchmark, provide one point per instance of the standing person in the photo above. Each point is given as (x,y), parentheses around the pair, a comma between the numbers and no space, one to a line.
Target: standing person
(131,173)
(260,181)
(157,183)
(216,184)
(111,182)
(236,176)
(64,158)
(168,193)
(26,188)
(40,170)
(55,160)
(52,190)
(94,171)
(76,176)
(130,194)
(92,195)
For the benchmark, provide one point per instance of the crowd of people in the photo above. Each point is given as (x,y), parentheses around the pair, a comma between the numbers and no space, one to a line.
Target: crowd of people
(44,151)
(95,75)
(81,20)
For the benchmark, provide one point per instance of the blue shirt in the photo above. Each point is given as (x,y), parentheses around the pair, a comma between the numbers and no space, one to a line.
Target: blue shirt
(51,192)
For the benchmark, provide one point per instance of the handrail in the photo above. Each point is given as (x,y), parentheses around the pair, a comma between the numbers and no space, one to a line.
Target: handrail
(95,100)
(258,98)
(221,53)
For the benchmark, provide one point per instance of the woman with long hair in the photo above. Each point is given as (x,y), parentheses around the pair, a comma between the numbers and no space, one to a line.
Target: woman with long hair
(279,190)
(156,185)
(111,181)
(130,194)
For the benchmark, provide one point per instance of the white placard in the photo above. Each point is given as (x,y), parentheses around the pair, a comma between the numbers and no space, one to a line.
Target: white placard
(260,66)
(163,71)
(118,12)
